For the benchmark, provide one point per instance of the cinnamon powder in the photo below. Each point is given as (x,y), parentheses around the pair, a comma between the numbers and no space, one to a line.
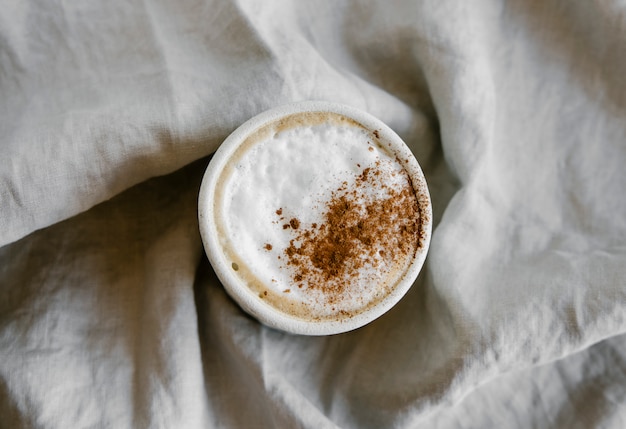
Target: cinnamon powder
(357,232)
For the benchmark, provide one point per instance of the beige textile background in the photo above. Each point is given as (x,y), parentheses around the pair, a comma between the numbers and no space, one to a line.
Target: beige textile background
(110,314)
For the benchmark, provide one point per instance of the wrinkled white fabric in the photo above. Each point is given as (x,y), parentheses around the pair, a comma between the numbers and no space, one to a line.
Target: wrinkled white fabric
(110,314)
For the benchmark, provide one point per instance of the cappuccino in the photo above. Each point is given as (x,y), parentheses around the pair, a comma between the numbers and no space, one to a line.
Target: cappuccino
(316,218)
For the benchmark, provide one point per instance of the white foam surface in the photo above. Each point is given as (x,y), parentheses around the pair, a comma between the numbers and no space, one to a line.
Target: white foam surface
(294,172)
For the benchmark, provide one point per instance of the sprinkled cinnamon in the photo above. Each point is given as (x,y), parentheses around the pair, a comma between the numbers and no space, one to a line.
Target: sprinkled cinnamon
(357,232)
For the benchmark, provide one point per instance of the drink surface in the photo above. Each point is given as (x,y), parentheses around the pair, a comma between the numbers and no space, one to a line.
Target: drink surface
(317,216)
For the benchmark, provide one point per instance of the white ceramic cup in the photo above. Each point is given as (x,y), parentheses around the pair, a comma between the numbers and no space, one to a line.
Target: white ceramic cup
(239,289)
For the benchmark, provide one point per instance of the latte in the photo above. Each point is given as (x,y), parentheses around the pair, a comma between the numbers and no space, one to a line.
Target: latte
(316,217)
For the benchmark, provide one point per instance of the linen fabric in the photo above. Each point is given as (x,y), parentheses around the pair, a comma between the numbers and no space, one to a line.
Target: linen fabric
(110,313)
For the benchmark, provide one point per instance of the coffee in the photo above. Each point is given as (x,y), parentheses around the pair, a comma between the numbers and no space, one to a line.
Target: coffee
(318,217)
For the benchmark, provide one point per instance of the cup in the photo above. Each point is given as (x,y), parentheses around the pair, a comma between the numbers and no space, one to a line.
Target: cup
(316,217)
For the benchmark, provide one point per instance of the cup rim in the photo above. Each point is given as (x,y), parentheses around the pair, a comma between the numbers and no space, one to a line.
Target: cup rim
(247,299)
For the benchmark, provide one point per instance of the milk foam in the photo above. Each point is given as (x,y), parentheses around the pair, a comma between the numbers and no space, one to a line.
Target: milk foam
(290,170)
